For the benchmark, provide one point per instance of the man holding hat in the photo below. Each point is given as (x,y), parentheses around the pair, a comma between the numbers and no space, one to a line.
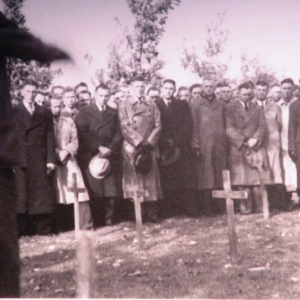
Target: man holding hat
(100,140)
(177,167)
(246,130)
(141,127)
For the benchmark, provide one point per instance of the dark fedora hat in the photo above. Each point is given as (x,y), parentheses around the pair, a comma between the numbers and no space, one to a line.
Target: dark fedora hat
(170,156)
(143,162)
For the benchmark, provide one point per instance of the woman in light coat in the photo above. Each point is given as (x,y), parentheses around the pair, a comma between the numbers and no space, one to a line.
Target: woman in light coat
(66,142)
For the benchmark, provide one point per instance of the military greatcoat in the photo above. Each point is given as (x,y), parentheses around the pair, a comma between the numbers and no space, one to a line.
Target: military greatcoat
(140,122)
(209,137)
(273,139)
(241,124)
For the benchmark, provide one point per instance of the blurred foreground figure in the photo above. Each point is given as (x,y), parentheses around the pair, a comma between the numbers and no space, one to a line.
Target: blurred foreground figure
(14,42)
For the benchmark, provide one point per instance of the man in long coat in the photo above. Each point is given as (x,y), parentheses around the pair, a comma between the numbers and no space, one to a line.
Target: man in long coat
(177,162)
(272,142)
(246,130)
(35,196)
(209,143)
(294,137)
(99,134)
(66,145)
(141,127)
(289,166)
(14,42)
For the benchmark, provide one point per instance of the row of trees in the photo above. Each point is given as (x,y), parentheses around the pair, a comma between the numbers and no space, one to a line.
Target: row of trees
(137,53)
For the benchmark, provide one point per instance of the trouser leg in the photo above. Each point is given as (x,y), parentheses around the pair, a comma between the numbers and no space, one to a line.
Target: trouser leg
(42,223)
(109,211)
(150,210)
(25,225)
(85,216)
(246,204)
(206,201)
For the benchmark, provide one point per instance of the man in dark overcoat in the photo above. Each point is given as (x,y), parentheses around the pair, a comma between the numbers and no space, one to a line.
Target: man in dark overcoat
(36,134)
(246,131)
(14,42)
(177,162)
(210,144)
(294,137)
(99,133)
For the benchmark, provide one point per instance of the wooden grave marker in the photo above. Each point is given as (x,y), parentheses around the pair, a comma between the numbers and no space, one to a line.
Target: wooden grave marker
(85,250)
(76,191)
(230,195)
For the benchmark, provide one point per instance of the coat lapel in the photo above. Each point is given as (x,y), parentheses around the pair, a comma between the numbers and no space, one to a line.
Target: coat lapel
(38,116)
(23,115)
(238,107)
(102,117)
(251,112)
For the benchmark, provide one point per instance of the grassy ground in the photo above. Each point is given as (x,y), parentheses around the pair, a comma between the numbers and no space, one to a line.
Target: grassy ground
(183,258)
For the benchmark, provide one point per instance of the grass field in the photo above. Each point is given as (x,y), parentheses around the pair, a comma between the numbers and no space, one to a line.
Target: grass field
(182,258)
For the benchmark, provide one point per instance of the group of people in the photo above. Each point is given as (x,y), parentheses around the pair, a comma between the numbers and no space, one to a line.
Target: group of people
(168,152)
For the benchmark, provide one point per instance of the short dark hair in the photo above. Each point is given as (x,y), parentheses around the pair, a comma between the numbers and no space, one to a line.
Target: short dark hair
(101,86)
(39,92)
(83,84)
(68,89)
(56,87)
(196,85)
(182,88)
(170,81)
(138,78)
(287,80)
(152,88)
(262,83)
(55,97)
(30,82)
(251,84)
(245,85)
(84,92)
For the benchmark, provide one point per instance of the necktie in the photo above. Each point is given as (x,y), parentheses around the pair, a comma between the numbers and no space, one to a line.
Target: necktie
(31,108)
(246,106)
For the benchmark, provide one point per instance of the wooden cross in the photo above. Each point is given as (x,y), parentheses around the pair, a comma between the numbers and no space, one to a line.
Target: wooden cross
(76,191)
(138,215)
(229,195)
(85,249)
(264,194)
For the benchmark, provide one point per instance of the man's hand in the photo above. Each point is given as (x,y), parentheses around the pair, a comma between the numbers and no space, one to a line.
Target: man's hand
(252,142)
(50,168)
(63,155)
(145,145)
(104,151)
(293,155)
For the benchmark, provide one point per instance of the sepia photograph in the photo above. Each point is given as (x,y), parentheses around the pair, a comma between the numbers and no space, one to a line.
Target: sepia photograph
(149,149)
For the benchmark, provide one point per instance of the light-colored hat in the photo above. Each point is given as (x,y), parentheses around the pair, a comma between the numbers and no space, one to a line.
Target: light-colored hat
(99,167)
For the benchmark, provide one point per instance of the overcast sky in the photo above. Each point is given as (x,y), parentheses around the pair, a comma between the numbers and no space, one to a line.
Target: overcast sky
(268,28)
